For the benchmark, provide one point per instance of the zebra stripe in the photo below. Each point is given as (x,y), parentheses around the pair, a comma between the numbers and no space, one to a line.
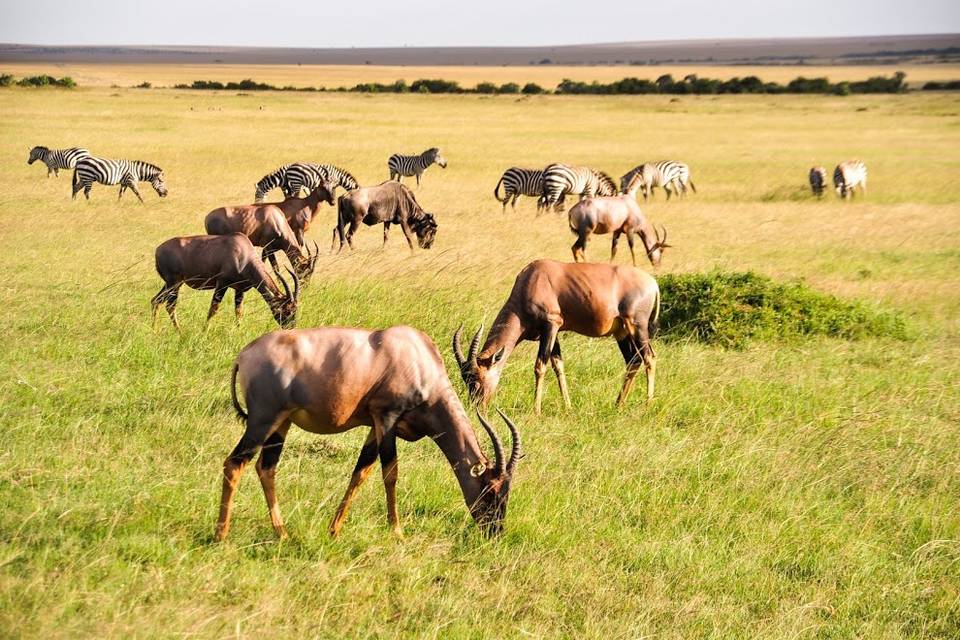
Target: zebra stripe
(401,166)
(818,180)
(849,175)
(126,173)
(672,175)
(560,180)
(292,178)
(518,182)
(57,159)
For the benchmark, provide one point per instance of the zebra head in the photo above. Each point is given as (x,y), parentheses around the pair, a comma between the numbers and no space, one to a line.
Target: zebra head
(37,153)
(433,154)
(159,185)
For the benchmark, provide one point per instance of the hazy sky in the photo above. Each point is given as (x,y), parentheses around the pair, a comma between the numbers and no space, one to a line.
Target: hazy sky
(346,23)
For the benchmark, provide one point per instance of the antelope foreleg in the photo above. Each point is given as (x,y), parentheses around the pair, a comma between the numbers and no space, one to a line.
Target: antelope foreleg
(547,339)
(556,359)
(368,455)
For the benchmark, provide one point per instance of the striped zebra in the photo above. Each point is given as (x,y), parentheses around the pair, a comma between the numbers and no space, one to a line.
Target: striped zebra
(520,182)
(126,173)
(673,176)
(559,180)
(291,178)
(405,166)
(818,180)
(57,159)
(849,175)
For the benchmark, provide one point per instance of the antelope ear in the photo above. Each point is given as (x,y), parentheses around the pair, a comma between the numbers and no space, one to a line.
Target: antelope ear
(478,469)
(497,356)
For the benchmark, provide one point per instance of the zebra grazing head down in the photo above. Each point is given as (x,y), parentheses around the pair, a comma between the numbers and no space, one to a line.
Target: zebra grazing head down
(849,175)
(818,180)
(158,184)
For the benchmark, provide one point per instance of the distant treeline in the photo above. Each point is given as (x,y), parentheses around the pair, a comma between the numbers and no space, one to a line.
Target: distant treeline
(7,80)
(692,84)
(665,84)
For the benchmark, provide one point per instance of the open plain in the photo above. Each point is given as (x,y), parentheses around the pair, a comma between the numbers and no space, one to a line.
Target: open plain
(798,489)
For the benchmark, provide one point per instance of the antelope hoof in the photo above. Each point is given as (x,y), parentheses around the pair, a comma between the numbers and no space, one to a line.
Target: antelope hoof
(282,533)
(398,532)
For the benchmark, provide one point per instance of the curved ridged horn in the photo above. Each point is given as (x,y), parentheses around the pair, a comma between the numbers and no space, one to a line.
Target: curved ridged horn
(475,344)
(296,284)
(515,451)
(662,241)
(286,287)
(457,349)
(498,468)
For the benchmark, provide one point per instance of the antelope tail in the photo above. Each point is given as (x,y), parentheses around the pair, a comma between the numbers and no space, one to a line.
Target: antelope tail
(654,322)
(496,192)
(241,414)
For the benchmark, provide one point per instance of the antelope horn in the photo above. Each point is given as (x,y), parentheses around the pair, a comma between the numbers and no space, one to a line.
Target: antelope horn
(296,284)
(515,452)
(286,287)
(662,242)
(457,349)
(498,468)
(475,344)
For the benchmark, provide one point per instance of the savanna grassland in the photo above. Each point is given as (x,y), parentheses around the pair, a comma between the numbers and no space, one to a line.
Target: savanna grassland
(797,489)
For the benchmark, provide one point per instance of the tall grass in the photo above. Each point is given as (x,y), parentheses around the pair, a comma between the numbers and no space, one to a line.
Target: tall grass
(803,488)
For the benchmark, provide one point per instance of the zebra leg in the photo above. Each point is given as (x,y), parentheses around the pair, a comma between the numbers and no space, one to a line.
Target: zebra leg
(86,190)
(133,187)
(122,189)
(76,187)
(418,180)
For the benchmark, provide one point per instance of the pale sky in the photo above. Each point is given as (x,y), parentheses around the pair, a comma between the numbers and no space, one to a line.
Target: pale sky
(360,23)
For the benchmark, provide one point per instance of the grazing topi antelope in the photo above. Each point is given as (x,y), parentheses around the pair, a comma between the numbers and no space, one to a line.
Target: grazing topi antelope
(221,263)
(331,379)
(548,297)
(619,215)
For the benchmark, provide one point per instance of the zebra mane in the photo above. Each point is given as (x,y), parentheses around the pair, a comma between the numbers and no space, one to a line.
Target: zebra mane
(603,176)
(40,147)
(149,167)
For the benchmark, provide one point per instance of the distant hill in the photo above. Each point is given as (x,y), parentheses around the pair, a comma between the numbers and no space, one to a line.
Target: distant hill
(774,51)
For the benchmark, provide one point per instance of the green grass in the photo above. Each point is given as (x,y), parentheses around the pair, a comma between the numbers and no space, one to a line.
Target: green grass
(804,488)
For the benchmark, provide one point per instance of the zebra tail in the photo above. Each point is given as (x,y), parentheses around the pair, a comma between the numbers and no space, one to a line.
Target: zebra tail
(75,181)
(496,192)
(241,414)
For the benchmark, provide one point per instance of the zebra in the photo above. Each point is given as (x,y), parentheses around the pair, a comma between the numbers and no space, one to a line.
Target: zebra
(520,182)
(405,166)
(849,175)
(57,159)
(673,176)
(291,178)
(560,180)
(818,181)
(126,173)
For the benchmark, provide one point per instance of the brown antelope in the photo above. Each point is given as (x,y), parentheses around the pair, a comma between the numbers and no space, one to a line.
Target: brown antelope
(619,215)
(266,226)
(331,379)
(388,203)
(221,263)
(548,297)
(300,212)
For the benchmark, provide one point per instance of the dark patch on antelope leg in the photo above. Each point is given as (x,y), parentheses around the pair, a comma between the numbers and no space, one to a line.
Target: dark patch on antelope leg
(556,359)
(368,455)
(232,468)
(388,464)
(267,469)
(632,358)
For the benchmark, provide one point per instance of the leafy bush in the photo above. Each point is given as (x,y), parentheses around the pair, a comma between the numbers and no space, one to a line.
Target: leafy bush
(486,87)
(731,309)
(953,85)
(532,88)
(509,87)
(65,82)
(143,85)
(6,80)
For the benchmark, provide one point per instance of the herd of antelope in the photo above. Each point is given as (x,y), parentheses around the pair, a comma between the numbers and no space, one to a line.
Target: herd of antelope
(331,379)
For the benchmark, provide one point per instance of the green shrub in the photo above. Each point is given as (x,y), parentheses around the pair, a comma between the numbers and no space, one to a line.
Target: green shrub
(486,87)
(6,80)
(532,88)
(509,87)
(143,85)
(731,309)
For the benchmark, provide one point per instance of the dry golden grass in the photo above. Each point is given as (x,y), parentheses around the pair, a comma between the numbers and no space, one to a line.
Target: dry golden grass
(167,75)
